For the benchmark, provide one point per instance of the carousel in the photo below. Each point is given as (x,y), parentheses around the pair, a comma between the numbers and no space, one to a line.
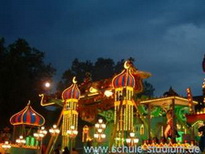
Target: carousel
(111,112)
(115,116)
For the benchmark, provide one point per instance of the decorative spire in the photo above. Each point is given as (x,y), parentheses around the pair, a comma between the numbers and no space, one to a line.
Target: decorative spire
(29,102)
(71,92)
(74,80)
(27,116)
(125,78)
(126,66)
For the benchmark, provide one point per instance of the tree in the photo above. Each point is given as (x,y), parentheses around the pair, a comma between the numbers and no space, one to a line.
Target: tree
(101,69)
(22,73)
(103,65)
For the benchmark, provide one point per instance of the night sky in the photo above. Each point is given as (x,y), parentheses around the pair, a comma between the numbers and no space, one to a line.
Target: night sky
(166,37)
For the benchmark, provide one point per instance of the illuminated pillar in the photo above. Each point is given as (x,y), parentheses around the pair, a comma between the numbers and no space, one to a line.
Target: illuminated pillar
(123,84)
(70,97)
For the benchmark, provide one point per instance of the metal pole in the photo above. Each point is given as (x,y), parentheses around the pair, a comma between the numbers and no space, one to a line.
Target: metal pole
(71,144)
(41,144)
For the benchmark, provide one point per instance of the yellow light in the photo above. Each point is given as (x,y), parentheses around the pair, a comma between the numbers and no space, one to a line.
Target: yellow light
(93,90)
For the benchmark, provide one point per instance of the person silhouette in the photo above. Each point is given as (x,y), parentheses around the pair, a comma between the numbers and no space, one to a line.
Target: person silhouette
(201,131)
(66,151)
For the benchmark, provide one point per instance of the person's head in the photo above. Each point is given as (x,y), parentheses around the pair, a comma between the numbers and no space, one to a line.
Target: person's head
(66,149)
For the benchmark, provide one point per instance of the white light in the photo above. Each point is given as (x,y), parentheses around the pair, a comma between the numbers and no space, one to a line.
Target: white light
(103,126)
(136,140)
(54,130)
(132,134)
(20,140)
(100,121)
(58,131)
(6,145)
(51,130)
(47,84)
(45,132)
(128,140)
(108,93)
(97,125)
(99,130)
(75,132)
(72,127)
(17,141)
(96,135)
(103,136)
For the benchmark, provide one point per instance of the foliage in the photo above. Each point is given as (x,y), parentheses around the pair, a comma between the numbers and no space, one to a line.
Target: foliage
(22,73)
(99,70)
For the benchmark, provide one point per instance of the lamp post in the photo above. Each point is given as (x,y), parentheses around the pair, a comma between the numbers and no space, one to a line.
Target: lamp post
(54,130)
(6,146)
(20,141)
(99,134)
(54,133)
(132,140)
(72,133)
(39,136)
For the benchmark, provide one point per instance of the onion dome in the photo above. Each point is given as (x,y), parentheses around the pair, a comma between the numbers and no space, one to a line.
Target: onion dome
(27,116)
(71,92)
(125,78)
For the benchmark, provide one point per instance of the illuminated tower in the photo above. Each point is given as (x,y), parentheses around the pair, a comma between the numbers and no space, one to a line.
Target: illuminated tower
(123,84)
(70,97)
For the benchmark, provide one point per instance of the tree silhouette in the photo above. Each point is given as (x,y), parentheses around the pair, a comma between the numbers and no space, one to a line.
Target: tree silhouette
(101,69)
(22,73)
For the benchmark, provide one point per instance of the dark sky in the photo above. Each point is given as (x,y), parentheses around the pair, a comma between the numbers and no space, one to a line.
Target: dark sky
(166,37)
